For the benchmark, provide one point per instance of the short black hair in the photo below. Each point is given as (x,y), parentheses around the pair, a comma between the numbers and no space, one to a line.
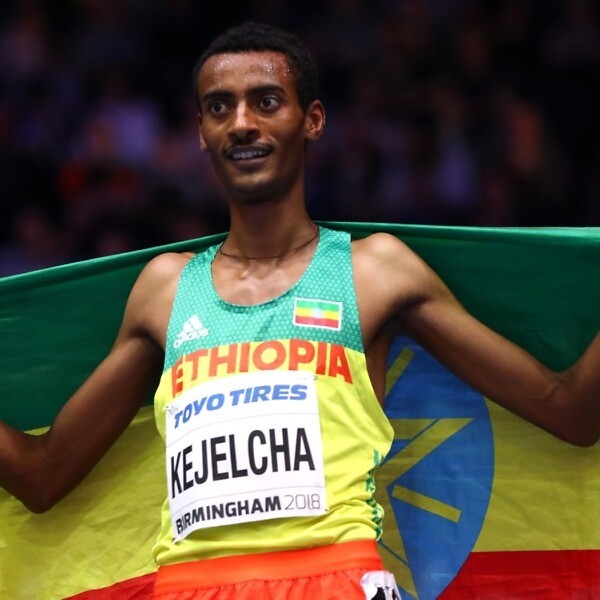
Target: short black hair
(260,37)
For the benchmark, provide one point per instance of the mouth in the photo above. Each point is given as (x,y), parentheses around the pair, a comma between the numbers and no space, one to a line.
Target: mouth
(247,153)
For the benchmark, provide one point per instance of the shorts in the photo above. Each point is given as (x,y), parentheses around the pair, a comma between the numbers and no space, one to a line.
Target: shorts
(348,571)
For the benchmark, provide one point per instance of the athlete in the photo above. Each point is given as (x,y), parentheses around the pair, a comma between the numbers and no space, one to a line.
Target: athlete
(272,349)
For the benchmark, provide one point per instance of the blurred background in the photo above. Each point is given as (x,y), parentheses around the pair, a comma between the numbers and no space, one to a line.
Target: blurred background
(458,112)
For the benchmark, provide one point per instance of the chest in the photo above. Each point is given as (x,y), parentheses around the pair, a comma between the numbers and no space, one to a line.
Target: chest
(249,284)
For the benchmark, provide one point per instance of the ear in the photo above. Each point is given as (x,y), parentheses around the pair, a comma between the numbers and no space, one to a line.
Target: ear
(202,140)
(314,120)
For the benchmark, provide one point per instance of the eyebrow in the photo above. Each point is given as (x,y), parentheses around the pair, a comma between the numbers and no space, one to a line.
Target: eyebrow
(260,89)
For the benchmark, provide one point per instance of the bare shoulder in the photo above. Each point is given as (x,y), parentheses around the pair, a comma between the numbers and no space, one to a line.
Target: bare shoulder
(383,263)
(384,281)
(392,282)
(379,243)
(162,270)
(151,299)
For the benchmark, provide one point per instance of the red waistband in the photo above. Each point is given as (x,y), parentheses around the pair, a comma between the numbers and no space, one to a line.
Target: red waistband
(290,564)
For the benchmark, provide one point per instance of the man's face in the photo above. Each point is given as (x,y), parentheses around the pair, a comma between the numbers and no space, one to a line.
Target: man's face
(252,125)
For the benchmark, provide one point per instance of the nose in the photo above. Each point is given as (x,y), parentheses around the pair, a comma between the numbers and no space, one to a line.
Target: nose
(244,125)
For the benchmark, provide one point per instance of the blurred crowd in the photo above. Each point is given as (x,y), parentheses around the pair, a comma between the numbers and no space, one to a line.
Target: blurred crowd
(456,112)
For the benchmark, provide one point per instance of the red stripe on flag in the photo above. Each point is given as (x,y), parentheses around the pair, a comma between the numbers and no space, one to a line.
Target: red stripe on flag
(317,321)
(547,575)
(138,588)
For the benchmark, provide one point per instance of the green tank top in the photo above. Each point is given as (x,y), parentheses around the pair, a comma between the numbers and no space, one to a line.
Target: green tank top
(271,426)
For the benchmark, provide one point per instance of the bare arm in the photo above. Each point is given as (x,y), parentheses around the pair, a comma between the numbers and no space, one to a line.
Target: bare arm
(565,404)
(40,470)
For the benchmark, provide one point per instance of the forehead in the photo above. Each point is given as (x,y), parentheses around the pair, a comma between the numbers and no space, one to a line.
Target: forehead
(232,71)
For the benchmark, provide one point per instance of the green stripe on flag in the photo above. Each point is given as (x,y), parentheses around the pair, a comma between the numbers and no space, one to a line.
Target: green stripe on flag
(321,304)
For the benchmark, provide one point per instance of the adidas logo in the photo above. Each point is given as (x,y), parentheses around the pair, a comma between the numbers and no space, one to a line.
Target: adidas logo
(192,329)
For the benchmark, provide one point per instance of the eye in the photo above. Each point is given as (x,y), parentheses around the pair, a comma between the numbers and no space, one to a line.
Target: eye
(269,102)
(217,107)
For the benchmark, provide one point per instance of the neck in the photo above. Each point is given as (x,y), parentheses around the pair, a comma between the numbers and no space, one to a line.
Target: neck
(268,229)
(279,256)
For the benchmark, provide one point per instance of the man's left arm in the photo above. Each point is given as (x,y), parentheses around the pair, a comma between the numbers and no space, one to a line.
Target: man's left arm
(565,404)
(404,288)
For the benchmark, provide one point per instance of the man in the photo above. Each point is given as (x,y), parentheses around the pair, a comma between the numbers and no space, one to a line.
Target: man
(274,346)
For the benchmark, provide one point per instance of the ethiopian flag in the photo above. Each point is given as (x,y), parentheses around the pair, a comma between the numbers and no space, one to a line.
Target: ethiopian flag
(317,313)
(479,504)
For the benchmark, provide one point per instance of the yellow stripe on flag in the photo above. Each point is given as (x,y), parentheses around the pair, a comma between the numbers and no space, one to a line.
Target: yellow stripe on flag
(100,534)
(566,483)
(321,314)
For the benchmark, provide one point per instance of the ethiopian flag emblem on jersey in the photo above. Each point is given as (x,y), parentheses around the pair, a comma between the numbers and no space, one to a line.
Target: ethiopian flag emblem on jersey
(317,313)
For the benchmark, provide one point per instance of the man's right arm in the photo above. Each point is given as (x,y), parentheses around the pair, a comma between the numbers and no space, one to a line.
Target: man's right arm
(40,470)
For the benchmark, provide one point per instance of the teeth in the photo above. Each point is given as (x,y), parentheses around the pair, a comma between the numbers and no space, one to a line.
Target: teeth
(245,154)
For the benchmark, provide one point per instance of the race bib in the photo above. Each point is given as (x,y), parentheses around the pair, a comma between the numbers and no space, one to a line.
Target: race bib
(244,448)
